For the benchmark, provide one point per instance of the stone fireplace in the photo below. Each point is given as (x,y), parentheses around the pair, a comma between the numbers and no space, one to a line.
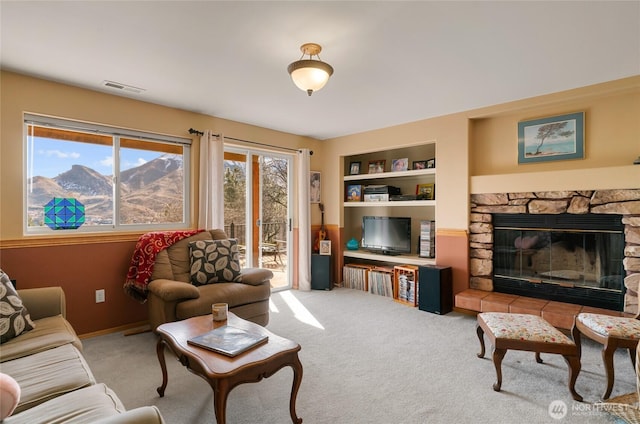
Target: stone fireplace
(579,247)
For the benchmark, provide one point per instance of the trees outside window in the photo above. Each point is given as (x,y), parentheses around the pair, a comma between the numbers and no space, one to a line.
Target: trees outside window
(274,174)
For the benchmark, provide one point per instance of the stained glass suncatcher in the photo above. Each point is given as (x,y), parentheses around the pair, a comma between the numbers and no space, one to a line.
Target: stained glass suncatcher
(63,213)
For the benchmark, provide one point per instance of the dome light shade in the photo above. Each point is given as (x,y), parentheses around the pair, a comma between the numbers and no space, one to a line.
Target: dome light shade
(309,74)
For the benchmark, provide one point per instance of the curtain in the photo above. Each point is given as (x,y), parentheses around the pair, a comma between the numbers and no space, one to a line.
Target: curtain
(211,207)
(304,222)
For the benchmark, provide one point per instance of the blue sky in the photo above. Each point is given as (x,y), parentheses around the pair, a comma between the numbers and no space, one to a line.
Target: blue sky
(52,157)
(531,132)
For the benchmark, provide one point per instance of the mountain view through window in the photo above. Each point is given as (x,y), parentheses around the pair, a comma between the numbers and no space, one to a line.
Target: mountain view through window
(119,180)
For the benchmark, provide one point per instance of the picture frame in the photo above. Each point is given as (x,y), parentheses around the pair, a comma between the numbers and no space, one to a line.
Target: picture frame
(376,166)
(354,193)
(325,247)
(426,191)
(315,186)
(431,163)
(399,165)
(554,138)
(419,164)
(354,168)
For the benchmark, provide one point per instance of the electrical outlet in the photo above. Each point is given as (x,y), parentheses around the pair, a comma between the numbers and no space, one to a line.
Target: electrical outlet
(100,296)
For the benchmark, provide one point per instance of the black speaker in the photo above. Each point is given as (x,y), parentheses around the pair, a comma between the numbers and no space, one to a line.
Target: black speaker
(321,272)
(435,290)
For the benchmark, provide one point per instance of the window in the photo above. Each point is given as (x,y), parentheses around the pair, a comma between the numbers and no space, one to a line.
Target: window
(116,179)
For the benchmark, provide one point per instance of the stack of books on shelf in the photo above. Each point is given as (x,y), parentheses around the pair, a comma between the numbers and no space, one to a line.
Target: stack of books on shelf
(381,281)
(405,284)
(428,239)
(355,276)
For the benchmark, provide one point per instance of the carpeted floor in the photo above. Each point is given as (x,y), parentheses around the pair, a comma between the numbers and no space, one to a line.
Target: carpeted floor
(368,359)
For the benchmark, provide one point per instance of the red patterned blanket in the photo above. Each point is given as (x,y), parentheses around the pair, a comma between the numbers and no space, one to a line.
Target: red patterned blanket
(144,256)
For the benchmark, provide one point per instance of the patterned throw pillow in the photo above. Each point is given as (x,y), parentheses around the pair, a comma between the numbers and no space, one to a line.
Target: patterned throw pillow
(14,317)
(214,261)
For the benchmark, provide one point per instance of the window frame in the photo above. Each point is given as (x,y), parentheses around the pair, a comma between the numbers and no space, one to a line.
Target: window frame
(116,133)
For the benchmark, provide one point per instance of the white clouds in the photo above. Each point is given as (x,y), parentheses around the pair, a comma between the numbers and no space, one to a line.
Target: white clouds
(127,164)
(60,154)
(107,161)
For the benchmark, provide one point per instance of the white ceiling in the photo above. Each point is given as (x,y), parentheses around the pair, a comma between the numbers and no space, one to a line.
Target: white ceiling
(394,61)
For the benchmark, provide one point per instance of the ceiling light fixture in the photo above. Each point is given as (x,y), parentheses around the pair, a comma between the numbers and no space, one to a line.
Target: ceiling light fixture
(309,74)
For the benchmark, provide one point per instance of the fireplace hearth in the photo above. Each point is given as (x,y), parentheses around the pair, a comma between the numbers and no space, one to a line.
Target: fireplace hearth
(580,247)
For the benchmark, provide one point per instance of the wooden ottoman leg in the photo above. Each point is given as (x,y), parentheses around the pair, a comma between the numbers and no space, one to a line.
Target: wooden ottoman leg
(607,357)
(573,362)
(480,333)
(575,333)
(538,358)
(506,331)
(498,354)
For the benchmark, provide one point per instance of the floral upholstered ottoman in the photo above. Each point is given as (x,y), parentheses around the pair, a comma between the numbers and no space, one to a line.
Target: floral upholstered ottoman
(529,333)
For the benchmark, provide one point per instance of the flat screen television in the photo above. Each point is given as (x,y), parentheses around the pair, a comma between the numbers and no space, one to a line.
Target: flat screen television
(386,234)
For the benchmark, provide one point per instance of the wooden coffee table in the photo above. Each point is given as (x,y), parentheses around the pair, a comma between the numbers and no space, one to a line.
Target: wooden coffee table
(224,373)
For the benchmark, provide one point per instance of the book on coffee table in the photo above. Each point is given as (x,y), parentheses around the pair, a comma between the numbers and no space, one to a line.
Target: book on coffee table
(228,340)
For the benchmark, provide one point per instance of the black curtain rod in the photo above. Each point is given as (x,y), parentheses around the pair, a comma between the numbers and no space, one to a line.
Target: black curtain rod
(192,131)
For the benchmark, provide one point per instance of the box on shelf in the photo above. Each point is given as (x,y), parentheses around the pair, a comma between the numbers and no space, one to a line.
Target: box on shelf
(405,284)
(379,193)
(427,246)
(381,281)
(355,276)
(380,197)
(381,189)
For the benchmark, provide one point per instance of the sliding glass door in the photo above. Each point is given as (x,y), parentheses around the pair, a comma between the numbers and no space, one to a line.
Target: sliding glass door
(257,196)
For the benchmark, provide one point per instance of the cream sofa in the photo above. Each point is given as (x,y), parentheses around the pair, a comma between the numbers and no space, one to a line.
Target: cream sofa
(55,381)
(172,297)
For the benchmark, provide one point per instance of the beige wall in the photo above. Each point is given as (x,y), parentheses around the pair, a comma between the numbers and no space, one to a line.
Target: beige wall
(21,94)
(477,150)
(83,263)
(611,136)
(450,135)
(612,142)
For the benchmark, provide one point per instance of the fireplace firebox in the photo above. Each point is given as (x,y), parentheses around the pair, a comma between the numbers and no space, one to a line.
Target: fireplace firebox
(563,257)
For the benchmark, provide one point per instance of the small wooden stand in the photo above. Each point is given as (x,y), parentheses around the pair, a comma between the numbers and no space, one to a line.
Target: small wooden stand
(356,276)
(405,284)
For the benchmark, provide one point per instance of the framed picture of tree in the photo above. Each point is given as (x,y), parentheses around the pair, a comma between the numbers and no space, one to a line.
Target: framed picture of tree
(554,138)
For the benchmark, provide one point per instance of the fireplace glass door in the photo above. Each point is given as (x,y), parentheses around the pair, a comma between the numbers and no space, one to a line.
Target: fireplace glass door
(575,262)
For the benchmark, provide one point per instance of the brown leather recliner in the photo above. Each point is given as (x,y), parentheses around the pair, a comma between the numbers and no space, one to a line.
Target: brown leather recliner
(172,297)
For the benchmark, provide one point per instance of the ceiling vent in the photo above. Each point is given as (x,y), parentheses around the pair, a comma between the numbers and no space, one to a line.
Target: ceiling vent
(123,87)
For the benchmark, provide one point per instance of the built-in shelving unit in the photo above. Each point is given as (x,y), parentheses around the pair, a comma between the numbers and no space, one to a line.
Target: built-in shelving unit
(411,175)
(398,203)
(407,181)
(396,174)
(398,259)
